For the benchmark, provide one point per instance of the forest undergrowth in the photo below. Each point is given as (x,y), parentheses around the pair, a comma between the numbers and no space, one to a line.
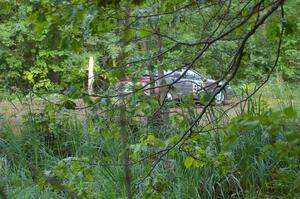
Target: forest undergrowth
(254,154)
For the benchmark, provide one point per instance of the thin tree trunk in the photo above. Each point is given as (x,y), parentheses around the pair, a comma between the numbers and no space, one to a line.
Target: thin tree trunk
(3,193)
(162,81)
(125,148)
(150,70)
(123,115)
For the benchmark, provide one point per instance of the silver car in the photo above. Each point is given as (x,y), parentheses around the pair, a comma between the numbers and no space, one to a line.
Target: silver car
(191,83)
(179,85)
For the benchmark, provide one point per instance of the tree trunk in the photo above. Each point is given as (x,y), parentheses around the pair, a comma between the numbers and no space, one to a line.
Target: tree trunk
(150,69)
(123,115)
(163,89)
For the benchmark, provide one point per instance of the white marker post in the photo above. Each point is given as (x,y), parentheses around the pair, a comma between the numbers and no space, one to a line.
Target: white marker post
(91,76)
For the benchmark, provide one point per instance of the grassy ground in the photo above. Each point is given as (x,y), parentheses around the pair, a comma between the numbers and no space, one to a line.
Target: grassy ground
(60,155)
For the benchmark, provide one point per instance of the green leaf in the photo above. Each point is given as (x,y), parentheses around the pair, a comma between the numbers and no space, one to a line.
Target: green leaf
(188,162)
(263,156)
(273,31)
(290,27)
(199,163)
(143,33)
(89,174)
(245,12)
(230,140)
(68,104)
(290,112)
(246,56)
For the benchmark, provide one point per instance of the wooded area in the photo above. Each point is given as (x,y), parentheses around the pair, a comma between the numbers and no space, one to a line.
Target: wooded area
(149,99)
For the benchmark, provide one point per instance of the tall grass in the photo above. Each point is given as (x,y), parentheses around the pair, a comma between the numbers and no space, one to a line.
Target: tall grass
(250,160)
(41,142)
(57,155)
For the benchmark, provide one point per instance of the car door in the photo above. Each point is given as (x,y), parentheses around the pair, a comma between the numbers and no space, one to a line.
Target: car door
(193,82)
(184,86)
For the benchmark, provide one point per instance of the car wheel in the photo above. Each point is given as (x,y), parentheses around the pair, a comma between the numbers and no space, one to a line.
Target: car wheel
(220,98)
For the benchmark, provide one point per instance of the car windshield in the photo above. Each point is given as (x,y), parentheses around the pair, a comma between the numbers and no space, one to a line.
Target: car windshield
(190,74)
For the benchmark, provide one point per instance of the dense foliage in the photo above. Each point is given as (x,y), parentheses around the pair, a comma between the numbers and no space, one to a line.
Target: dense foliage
(117,144)
(46,44)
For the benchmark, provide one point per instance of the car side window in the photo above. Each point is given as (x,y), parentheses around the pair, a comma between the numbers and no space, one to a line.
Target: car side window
(176,75)
(193,76)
